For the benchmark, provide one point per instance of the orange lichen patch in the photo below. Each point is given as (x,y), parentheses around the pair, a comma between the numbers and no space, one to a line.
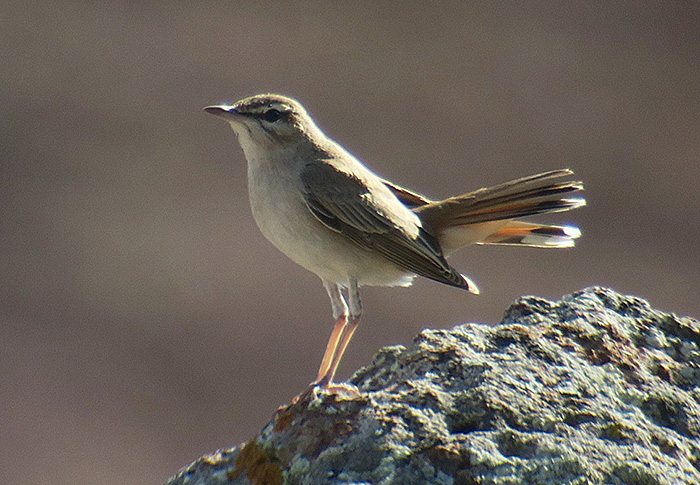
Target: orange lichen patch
(259,467)
(284,419)
(450,459)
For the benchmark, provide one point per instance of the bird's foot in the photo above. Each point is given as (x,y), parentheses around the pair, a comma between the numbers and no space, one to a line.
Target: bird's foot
(341,389)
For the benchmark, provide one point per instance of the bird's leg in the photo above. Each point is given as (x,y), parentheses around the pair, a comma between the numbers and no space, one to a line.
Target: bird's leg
(340,314)
(346,311)
(351,297)
(332,346)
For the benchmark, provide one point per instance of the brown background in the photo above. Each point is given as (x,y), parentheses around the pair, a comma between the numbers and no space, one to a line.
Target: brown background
(145,320)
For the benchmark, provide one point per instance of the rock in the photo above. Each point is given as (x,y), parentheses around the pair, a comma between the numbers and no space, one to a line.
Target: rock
(595,388)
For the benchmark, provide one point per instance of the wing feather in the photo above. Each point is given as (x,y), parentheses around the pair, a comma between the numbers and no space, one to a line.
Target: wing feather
(347,204)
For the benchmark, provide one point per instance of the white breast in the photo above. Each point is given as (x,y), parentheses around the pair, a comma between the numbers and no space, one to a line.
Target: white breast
(283,217)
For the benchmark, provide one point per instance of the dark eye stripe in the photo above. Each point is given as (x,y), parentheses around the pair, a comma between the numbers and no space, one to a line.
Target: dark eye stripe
(272,115)
(263,115)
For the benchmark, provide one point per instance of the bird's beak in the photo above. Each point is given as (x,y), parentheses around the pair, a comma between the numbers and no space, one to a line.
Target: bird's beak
(228,113)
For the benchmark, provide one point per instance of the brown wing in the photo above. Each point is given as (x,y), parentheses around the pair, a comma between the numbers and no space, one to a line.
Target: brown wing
(407,198)
(343,203)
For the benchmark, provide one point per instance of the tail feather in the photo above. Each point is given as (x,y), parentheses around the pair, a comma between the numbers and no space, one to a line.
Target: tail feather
(536,194)
(518,233)
(518,209)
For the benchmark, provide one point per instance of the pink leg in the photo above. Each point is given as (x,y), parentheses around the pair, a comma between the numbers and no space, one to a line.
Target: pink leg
(325,380)
(332,346)
(351,299)
(346,311)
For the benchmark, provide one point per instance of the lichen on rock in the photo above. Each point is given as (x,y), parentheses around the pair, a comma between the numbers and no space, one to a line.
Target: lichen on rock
(595,388)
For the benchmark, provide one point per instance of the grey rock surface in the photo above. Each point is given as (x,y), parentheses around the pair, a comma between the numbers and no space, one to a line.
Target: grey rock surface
(595,388)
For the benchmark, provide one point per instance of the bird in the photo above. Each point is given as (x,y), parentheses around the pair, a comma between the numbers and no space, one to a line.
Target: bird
(329,213)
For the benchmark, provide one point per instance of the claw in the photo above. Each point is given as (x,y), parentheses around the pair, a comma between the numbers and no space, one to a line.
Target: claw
(344,390)
(341,389)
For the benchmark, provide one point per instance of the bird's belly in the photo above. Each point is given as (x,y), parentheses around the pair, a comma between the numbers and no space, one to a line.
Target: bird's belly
(286,222)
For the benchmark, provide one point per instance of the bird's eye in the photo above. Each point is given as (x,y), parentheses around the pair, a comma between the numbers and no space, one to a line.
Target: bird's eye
(272,115)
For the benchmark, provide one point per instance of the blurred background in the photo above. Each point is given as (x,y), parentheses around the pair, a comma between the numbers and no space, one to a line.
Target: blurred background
(144,320)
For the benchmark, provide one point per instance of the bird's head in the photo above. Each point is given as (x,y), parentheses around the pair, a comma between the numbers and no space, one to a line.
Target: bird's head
(268,120)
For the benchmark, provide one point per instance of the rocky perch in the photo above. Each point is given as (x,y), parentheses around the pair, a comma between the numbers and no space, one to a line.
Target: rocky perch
(595,388)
